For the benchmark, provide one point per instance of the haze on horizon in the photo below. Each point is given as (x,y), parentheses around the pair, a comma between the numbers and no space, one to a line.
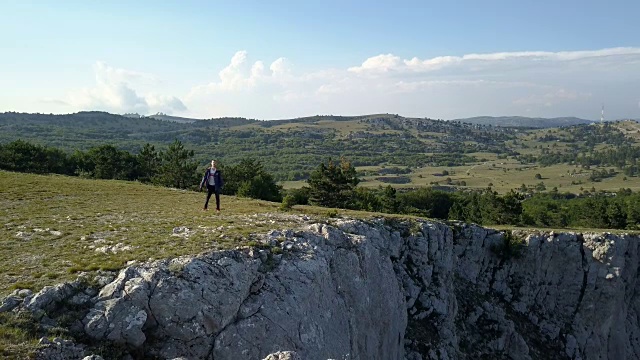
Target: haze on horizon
(284,59)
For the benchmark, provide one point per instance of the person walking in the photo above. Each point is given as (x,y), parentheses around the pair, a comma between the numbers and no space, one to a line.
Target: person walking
(213,180)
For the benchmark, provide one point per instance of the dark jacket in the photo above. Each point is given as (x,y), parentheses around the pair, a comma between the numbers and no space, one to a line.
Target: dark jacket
(218,179)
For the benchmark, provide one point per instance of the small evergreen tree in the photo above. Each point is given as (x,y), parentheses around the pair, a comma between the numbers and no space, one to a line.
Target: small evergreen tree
(333,184)
(107,162)
(177,169)
(149,163)
(249,179)
(390,203)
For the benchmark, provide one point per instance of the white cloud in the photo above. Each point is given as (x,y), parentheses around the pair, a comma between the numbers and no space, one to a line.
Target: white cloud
(114,92)
(231,76)
(380,63)
(107,74)
(281,68)
(329,89)
(238,76)
(164,103)
(389,62)
(535,83)
(118,97)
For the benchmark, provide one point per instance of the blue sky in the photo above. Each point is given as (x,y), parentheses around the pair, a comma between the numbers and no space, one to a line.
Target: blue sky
(281,59)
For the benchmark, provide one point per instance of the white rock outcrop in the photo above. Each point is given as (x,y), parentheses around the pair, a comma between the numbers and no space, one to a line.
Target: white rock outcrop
(381,289)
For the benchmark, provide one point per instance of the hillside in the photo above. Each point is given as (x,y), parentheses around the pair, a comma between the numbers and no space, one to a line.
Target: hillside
(385,148)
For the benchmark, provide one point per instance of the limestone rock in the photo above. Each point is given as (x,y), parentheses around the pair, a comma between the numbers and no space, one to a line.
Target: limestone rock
(283,355)
(375,289)
(10,302)
(59,349)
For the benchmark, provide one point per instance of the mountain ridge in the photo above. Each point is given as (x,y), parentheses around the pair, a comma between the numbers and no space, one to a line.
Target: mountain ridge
(502,121)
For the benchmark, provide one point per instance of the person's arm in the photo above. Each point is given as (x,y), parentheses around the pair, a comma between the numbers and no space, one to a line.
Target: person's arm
(204,178)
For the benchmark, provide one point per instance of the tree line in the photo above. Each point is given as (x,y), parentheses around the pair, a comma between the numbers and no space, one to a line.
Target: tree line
(331,184)
(335,185)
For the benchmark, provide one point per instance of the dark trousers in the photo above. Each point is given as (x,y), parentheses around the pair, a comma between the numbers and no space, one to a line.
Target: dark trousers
(212,190)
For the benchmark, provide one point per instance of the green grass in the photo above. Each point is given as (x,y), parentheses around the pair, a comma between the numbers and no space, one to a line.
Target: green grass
(17,336)
(52,227)
(503,175)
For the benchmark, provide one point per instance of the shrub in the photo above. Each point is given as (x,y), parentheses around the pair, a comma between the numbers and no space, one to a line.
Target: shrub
(332,213)
(287,202)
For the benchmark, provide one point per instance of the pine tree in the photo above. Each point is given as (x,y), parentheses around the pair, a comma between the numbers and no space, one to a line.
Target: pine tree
(149,162)
(250,179)
(390,203)
(333,185)
(177,169)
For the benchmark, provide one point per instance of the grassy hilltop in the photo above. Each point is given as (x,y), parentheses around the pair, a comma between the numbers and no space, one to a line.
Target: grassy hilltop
(56,226)
(53,228)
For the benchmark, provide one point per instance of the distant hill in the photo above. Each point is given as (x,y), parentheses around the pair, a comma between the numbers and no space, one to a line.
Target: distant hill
(525,122)
(292,148)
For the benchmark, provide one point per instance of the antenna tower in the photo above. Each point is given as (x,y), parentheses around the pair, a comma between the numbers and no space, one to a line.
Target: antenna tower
(602,116)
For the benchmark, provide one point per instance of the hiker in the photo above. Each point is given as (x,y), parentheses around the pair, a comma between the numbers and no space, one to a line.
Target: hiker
(213,179)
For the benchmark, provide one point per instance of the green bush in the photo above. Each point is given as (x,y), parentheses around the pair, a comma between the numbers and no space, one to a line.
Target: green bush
(287,202)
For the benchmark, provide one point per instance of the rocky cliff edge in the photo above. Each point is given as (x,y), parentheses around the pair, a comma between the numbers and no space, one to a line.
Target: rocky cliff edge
(354,289)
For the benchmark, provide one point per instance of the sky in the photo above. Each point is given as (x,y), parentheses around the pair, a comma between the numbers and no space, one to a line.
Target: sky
(284,59)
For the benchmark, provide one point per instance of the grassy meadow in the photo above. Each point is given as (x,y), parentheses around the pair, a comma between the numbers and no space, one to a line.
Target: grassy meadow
(53,227)
(502,176)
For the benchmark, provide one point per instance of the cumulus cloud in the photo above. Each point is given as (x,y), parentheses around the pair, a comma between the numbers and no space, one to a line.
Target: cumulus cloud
(114,92)
(389,62)
(379,63)
(240,76)
(538,83)
(281,68)
(114,97)
(164,103)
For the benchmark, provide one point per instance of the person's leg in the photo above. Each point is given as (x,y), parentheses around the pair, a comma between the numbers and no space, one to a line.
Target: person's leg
(210,190)
(218,200)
